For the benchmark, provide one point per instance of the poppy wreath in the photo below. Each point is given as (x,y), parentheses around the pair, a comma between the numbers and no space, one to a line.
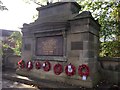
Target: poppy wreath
(80,70)
(70,70)
(58,69)
(29,65)
(37,65)
(46,66)
(21,64)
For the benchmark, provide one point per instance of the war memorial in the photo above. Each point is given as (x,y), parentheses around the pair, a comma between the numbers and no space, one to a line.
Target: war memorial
(62,45)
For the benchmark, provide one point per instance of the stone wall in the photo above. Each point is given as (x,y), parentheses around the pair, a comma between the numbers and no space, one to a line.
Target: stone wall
(0,50)
(110,63)
(11,61)
(110,69)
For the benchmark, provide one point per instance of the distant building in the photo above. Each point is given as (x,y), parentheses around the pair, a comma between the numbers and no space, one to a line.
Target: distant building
(5,34)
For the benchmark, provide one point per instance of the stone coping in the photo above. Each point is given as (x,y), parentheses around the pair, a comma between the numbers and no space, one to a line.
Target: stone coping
(116,59)
(56,4)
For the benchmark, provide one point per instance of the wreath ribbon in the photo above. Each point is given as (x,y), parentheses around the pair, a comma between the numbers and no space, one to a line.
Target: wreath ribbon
(46,66)
(70,70)
(21,64)
(29,65)
(37,65)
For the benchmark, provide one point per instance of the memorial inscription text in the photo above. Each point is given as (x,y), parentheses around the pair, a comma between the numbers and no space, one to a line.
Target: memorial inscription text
(52,45)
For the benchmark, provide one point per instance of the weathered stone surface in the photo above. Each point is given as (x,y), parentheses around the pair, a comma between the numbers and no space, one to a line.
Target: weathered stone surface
(63,8)
(87,45)
(77,37)
(79,28)
(88,53)
(76,45)
(27,47)
(79,46)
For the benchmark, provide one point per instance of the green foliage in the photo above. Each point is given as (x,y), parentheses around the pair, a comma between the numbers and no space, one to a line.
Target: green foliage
(2,7)
(108,15)
(38,2)
(14,42)
(17,38)
(1,53)
(111,49)
(42,2)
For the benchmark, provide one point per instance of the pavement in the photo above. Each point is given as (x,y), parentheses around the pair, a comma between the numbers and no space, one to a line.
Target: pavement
(7,84)
(11,80)
(12,76)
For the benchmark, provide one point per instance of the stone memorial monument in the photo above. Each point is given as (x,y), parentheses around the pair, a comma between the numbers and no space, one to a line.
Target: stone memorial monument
(62,45)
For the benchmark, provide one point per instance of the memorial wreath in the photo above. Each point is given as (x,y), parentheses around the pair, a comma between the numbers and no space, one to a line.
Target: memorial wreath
(46,66)
(70,70)
(29,65)
(37,65)
(21,64)
(83,70)
(58,69)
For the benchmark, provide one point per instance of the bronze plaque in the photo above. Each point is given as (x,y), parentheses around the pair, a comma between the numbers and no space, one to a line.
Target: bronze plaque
(76,45)
(52,45)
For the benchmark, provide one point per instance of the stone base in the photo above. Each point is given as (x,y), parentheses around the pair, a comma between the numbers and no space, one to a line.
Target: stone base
(74,80)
